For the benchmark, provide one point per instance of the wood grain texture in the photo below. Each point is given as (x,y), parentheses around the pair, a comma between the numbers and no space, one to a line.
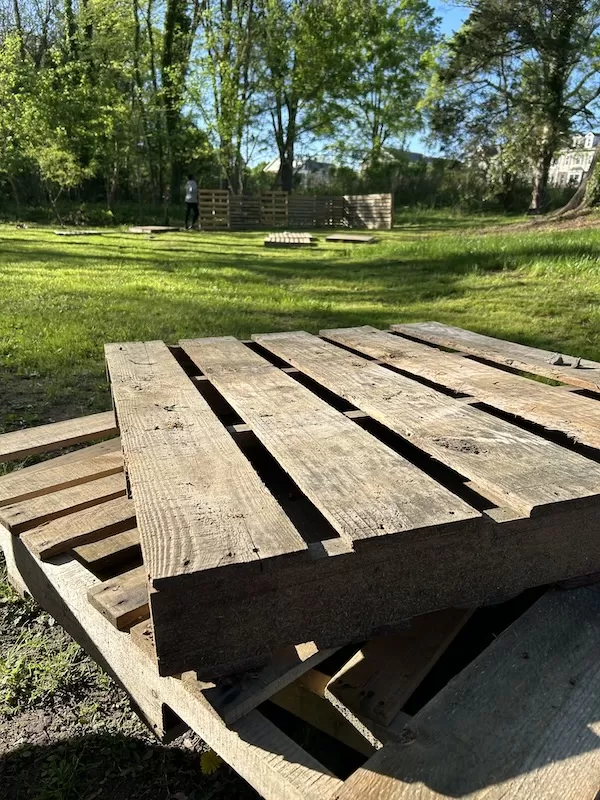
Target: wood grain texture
(23,484)
(575,416)
(123,600)
(200,505)
(362,487)
(521,357)
(43,438)
(522,721)
(19,517)
(378,680)
(115,549)
(512,466)
(81,527)
(277,767)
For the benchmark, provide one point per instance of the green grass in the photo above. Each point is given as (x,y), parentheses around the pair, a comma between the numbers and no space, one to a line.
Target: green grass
(62,298)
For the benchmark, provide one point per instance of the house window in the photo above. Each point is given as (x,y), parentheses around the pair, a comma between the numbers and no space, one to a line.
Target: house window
(574,179)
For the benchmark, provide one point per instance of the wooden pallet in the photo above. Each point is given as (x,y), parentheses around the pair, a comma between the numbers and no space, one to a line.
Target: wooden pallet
(520,721)
(152,229)
(285,239)
(351,238)
(350,496)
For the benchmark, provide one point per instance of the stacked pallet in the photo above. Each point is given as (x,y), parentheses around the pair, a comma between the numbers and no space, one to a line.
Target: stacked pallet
(323,490)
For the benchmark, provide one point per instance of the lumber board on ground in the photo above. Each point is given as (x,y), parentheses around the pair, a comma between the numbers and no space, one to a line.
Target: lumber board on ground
(271,762)
(379,679)
(514,467)
(152,229)
(41,439)
(81,527)
(123,600)
(24,484)
(20,517)
(523,720)
(199,503)
(573,415)
(581,372)
(115,549)
(361,486)
(78,233)
(351,238)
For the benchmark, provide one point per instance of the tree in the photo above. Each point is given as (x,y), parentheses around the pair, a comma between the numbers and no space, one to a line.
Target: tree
(391,67)
(307,51)
(538,61)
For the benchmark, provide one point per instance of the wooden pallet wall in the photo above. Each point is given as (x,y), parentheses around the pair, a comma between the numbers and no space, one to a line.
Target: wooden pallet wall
(221,211)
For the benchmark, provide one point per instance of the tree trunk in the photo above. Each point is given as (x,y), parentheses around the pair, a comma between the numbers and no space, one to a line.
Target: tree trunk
(587,191)
(540,181)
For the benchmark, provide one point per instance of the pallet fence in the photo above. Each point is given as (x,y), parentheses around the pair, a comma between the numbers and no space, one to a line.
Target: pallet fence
(220,210)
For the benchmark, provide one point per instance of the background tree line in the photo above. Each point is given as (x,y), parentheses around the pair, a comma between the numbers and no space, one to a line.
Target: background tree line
(116,100)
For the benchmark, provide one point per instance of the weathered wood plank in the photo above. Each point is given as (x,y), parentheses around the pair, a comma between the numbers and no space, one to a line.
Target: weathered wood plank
(351,238)
(277,767)
(123,600)
(576,371)
(43,438)
(361,486)
(523,720)
(384,673)
(81,527)
(19,517)
(575,416)
(199,503)
(115,549)
(512,466)
(23,484)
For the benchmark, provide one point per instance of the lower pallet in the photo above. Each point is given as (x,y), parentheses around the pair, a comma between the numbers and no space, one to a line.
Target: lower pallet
(522,720)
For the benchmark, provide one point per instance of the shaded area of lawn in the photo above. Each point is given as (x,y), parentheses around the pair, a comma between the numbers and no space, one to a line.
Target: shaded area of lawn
(62,298)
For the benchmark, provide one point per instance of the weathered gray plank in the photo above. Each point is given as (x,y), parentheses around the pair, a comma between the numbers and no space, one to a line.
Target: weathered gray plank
(361,486)
(19,517)
(115,549)
(577,417)
(24,484)
(576,371)
(123,600)
(31,441)
(523,720)
(81,527)
(512,466)
(199,503)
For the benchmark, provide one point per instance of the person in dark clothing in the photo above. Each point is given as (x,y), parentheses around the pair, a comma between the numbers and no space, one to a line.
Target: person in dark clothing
(191,202)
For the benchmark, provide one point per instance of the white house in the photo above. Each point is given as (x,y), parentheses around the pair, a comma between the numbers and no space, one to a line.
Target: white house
(570,165)
(309,171)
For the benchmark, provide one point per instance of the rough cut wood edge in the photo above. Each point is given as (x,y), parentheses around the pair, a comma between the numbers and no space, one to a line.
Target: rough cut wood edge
(271,762)
(43,438)
(123,600)
(511,354)
(521,721)
(114,549)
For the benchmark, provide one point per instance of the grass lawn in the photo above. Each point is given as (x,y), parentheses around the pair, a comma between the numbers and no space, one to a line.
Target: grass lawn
(65,729)
(62,298)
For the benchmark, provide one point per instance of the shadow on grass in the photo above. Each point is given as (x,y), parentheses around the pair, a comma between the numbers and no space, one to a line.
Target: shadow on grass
(106,767)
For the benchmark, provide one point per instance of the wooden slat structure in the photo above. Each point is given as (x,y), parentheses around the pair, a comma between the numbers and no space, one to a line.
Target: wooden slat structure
(289,240)
(220,210)
(521,720)
(508,508)
(572,370)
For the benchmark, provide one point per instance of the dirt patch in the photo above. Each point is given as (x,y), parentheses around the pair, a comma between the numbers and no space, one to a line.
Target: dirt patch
(460,445)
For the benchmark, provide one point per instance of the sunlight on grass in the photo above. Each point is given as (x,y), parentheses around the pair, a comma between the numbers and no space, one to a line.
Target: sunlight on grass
(62,298)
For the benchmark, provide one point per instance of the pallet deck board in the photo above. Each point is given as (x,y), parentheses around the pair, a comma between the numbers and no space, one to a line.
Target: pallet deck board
(122,600)
(513,466)
(27,514)
(575,416)
(580,372)
(351,238)
(362,488)
(200,505)
(41,439)
(81,527)
(523,720)
(24,484)
(114,549)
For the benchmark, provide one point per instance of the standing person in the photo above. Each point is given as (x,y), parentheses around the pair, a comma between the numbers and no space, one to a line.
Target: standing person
(191,202)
